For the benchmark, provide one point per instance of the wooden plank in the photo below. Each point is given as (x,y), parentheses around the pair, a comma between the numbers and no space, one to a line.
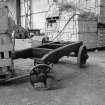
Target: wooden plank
(89,39)
(87,26)
(8,47)
(5,62)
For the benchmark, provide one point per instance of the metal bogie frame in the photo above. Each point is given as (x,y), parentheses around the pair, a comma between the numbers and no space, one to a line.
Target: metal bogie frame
(48,54)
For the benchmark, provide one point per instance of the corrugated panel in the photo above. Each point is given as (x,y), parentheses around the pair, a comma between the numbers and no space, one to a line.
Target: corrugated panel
(70,27)
(101,38)
(89,39)
(87,26)
(65,36)
(102,2)
(68,37)
(102,11)
(5,62)
(101,19)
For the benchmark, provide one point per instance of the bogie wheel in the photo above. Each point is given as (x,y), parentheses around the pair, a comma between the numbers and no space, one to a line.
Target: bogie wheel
(82,56)
(39,76)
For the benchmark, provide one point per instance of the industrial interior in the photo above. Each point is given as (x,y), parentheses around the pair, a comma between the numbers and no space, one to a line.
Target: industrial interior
(52,52)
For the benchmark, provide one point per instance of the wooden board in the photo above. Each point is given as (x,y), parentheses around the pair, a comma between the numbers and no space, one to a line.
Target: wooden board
(89,39)
(101,38)
(87,26)
(102,11)
(5,62)
(8,47)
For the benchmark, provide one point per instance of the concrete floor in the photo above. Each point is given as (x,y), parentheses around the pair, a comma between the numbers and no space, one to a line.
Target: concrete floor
(75,86)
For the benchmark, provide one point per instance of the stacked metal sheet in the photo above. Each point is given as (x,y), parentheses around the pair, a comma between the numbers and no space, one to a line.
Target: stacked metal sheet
(6,45)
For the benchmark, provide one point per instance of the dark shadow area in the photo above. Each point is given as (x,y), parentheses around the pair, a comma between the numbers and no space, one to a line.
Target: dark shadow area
(98,48)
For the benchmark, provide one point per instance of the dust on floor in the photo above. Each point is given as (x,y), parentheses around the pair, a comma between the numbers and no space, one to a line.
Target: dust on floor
(75,86)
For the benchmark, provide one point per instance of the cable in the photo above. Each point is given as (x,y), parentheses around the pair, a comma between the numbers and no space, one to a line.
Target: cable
(65,26)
